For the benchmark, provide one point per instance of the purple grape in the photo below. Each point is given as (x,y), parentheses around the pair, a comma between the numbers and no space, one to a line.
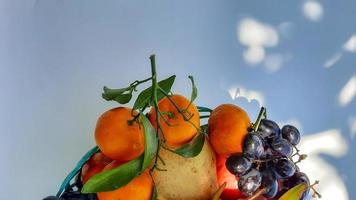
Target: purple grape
(297,178)
(253,146)
(250,182)
(271,186)
(282,147)
(291,134)
(269,130)
(237,164)
(284,168)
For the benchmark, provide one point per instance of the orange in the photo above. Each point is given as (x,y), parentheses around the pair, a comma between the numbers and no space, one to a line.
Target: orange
(176,131)
(140,188)
(94,165)
(116,137)
(227,128)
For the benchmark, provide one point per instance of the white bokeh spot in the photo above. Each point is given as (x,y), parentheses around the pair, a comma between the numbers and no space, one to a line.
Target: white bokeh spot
(313,11)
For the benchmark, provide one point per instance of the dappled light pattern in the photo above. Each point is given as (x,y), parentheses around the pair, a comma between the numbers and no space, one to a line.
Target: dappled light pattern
(333,60)
(313,10)
(350,45)
(286,29)
(256,36)
(348,92)
(274,62)
(331,143)
(352,126)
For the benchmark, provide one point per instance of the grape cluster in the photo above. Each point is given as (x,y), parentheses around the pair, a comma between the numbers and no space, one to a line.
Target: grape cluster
(266,161)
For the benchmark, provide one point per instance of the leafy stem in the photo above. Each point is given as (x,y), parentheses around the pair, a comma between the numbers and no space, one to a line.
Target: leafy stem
(182,112)
(259,118)
(137,82)
(154,100)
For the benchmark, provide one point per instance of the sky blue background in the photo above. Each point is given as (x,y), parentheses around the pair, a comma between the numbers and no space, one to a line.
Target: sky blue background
(55,56)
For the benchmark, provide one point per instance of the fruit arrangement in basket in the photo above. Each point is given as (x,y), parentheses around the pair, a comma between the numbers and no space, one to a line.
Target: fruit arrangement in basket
(158,149)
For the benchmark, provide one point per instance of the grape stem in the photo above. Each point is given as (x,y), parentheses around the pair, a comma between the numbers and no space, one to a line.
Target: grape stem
(259,118)
(316,193)
(257,194)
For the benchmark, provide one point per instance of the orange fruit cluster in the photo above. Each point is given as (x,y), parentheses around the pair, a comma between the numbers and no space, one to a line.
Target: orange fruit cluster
(121,140)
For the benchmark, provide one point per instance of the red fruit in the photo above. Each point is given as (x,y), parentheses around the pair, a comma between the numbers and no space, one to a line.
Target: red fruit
(231,192)
(94,165)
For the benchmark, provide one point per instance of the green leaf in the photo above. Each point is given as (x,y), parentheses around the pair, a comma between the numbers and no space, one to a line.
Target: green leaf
(295,193)
(145,96)
(194,90)
(150,142)
(193,148)
(123,98)
(111,94)
(114,178)
(122,95)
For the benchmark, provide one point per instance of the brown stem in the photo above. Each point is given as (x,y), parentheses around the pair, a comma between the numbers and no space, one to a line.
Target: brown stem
(258,194)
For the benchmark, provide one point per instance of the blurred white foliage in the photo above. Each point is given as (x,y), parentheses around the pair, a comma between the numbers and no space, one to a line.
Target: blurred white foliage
(328,142)
(348,92)
(313,10)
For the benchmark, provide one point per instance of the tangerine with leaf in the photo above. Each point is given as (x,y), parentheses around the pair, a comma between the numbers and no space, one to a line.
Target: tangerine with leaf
(178,118)
(118,136)
(139,188)
(93,166)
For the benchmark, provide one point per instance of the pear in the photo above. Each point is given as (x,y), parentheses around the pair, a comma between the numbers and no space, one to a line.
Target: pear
(186,178)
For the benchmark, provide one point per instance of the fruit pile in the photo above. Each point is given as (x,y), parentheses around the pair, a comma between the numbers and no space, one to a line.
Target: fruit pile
(158,150)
